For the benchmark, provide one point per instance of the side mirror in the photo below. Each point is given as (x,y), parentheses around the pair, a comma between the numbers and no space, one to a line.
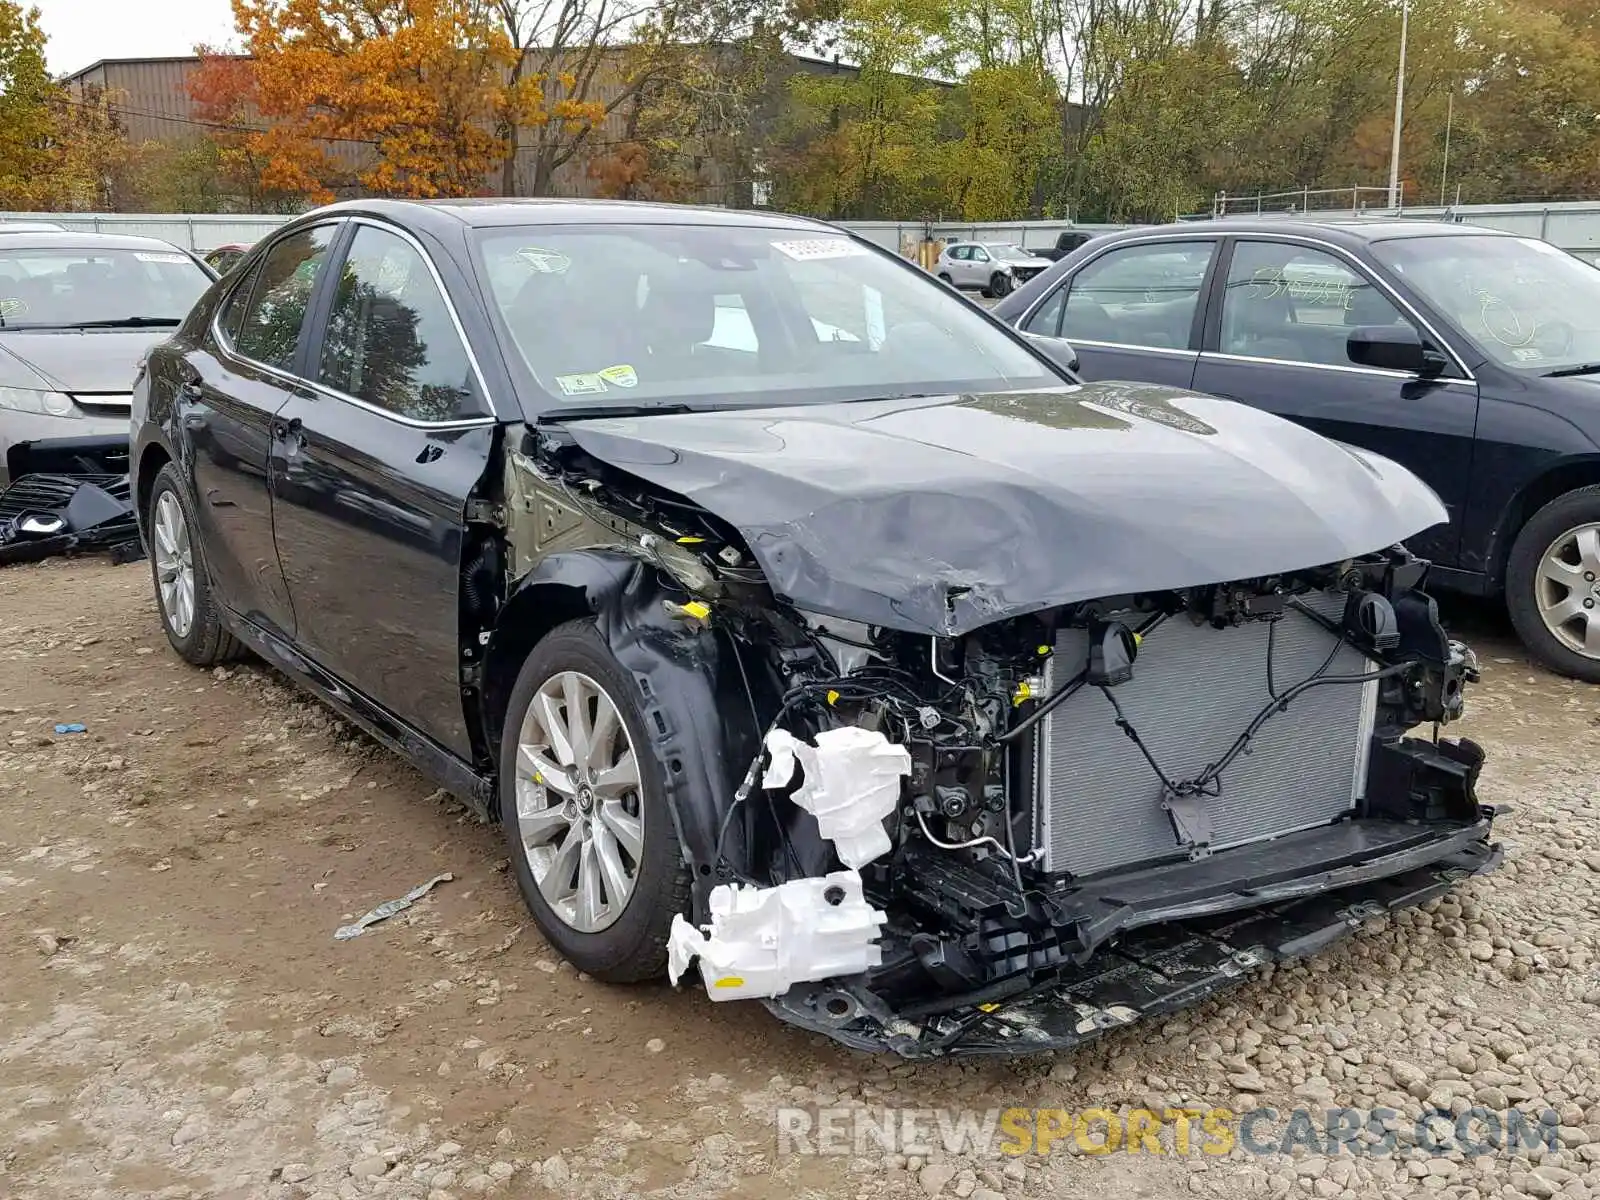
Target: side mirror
(1393,348)
(1059,349)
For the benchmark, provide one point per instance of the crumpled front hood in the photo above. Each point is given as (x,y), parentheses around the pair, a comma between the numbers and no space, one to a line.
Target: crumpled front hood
(85,361)
(939,515)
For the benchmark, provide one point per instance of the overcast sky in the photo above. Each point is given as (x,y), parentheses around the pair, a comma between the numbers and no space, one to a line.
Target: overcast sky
(82,31)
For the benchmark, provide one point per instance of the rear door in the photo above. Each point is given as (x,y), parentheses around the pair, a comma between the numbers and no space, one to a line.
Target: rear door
(230,391)
(1277,341)
(1132,312)
(371,472)
(961,265)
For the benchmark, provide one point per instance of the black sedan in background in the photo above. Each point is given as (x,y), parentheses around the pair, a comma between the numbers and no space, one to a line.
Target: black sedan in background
(1469,355)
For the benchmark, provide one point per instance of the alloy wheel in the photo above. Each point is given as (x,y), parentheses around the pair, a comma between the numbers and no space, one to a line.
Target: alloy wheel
(1567,589)
(174,565)
(580,818)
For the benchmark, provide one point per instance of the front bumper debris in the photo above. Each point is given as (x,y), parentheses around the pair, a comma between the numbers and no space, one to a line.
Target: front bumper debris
(45,515)
(1154,969)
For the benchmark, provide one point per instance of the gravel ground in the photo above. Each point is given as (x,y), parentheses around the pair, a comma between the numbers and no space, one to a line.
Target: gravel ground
(178,1021)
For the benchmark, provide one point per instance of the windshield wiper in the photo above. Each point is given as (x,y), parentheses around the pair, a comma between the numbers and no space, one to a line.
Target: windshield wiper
(556,416)
(1580,369)
(122,323)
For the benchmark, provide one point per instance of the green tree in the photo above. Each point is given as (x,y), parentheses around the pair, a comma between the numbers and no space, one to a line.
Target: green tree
(27,118)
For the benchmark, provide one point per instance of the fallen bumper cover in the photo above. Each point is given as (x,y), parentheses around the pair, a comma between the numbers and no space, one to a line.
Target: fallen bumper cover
(1154,969)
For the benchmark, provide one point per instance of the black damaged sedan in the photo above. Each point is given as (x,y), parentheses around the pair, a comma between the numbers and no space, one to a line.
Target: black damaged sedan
(806,629)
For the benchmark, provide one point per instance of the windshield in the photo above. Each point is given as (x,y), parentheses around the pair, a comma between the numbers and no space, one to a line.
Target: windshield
(43,288)
(1525,303)
(1006,253)
(719,315)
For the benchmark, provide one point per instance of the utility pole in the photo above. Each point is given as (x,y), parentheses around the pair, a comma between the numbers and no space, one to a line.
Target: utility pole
(1399,108)
(1449,116)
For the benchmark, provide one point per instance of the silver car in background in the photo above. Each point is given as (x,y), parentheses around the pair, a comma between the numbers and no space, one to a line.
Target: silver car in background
(993,268)
(77,313)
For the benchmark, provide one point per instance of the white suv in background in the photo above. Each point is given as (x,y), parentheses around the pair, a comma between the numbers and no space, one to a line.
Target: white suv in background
(993,268)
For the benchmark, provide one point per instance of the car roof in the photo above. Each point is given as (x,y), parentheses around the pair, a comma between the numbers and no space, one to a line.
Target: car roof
(76,240)
(1345,229)
(497,211)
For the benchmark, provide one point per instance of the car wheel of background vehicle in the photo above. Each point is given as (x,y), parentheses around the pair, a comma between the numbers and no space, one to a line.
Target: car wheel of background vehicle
(999,285)
(189,614)
(583,804)
(945,277)
(1553,584)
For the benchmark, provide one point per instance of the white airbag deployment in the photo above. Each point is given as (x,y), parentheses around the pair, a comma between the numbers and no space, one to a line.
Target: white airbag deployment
(762,941)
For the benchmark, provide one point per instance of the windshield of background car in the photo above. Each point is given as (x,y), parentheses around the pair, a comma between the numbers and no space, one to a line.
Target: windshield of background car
(737,316)
(1010,253)
(1526,303)
(42,288)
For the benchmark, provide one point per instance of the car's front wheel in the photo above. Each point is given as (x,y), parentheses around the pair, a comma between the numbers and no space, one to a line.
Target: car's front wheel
(1553,584)
(189,613)
(999,285)
(583,804)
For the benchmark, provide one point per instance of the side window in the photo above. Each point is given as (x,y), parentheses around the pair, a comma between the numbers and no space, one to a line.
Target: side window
(233,310)
(269,325)
(979,254)
(1143,295)
(1294,303)
(390,340)
(1046,319)
(961,253)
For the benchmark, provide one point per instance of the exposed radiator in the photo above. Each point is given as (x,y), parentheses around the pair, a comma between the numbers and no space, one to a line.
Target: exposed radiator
(1194,689)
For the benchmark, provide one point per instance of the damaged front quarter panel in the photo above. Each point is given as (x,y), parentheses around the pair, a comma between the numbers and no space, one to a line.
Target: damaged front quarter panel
(574,556)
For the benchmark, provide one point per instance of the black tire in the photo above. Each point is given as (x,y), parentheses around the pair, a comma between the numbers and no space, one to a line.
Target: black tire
(945,278)
(634,946)
(207,641)
(1561,515)
(999,285)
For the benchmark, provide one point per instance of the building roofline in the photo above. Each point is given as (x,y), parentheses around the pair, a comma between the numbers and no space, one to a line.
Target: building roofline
(98,63)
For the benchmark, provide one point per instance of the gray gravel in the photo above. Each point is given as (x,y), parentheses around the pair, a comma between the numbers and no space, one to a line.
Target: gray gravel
(179,1023)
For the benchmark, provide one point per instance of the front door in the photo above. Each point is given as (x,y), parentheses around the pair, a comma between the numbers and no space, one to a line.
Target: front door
(1279,343)
(979,267)
(1131,313)
(371,476)
(234,383)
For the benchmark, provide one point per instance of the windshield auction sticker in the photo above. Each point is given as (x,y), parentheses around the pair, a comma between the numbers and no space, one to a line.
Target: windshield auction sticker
(587,384)
(545,261)
(810,249)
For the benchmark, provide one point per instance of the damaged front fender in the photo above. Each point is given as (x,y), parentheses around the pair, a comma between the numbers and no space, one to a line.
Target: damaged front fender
(689,687)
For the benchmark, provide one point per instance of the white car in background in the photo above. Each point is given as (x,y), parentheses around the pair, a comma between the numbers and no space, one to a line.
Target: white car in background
(993,268)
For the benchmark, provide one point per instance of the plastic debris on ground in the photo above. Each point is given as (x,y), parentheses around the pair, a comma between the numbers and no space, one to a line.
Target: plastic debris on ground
(852,782)
(43,515)
(72,727)
(762,941)
(390,907)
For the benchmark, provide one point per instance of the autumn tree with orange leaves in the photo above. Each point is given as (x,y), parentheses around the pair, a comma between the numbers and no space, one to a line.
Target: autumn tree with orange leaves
(402,97)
